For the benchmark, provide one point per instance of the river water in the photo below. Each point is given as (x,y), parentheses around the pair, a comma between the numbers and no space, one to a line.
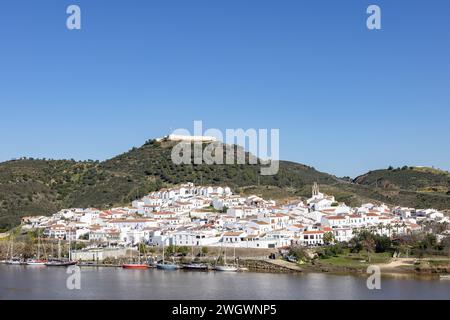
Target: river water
(26,282)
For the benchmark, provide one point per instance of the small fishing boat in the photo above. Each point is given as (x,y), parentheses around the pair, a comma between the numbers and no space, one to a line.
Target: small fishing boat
(444,277)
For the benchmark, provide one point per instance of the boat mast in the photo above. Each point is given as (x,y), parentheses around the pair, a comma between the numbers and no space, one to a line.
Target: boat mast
(69,249)
(163,249)
(59,249)
(225,257)
(12,247)
(9,253)
(39,247)
(174,251)
(139,253)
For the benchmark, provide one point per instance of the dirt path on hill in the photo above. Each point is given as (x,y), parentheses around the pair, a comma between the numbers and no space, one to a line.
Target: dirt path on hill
(397,262)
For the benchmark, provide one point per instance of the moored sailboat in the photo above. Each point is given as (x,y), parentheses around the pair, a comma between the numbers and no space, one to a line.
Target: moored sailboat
(61,262)
(133,265)
(163,265)
(12,260)
(195,265)
(37,261)
(226,267)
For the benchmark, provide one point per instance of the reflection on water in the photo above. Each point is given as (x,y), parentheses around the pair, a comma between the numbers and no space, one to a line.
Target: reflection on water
(22,282)
(413,276)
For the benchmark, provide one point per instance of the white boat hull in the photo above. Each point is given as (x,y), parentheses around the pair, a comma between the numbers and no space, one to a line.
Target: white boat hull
(35,263)
(167,266)
(226,268)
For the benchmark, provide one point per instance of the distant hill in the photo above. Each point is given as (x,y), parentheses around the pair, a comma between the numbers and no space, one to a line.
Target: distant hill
(410,186)
(418,179)
(32,187)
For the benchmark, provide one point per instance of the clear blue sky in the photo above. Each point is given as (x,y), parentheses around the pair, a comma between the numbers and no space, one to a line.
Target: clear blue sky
(346,99)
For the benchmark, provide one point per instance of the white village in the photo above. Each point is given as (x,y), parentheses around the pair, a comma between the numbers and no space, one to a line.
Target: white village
(199,216)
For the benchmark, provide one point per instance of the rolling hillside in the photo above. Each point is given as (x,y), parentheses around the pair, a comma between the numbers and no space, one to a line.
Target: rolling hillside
(31,187)
(420,179)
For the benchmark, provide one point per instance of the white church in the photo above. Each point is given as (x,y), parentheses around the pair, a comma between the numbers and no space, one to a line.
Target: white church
(319,201)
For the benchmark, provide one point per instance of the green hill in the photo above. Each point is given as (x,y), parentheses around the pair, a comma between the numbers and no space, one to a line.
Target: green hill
(410,186)
(418,179)
(32,187)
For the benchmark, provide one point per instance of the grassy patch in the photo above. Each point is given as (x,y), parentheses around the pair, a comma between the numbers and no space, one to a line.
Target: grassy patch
(356,259)
(439,263)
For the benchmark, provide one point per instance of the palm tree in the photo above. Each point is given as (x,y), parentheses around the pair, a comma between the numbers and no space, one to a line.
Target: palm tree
(381,227)
(397,225)
(373,229)
(389,228)
(404,226)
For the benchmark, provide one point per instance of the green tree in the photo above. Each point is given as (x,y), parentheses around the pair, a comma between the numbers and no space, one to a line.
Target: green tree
(183,250)
(389,228)
(382,243)
(142,248)
(328,238)
(170,250)
(368,245)
(381,227)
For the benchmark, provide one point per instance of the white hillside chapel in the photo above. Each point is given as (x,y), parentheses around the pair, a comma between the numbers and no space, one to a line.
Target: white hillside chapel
(318,200)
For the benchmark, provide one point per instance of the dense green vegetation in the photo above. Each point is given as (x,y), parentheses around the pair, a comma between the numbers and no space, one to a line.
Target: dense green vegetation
(42,186)
(420,179)
(368,248)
